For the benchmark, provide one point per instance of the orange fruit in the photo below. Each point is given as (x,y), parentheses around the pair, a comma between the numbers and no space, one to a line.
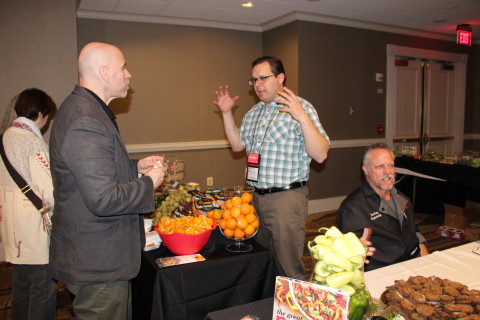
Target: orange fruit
(165,221)
(231,224)
(251,217)
(238,233)
(223,223)
(246,197)
(245,208)
(210,213)
(228,233)
(236,201)
(255,224)
(249,230)
(242,223)
(235,212)
(217,214)
(229,204)
(226,214)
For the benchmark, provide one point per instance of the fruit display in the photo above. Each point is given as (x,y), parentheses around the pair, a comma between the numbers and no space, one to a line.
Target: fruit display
(169,201)
(421,297)
(238,220)
(185,225)
(186,234)
(475,162)
(432,156)
(338,263)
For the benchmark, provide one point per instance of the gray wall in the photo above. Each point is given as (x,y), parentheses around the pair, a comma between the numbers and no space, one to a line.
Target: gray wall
(37,48)
(336,70)
(176,70)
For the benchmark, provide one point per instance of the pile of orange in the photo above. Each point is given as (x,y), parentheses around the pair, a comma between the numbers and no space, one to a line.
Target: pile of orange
(238,217)
(215,214)
(186,225)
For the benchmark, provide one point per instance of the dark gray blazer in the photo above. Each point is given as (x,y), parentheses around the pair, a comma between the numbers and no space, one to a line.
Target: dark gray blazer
(97,234)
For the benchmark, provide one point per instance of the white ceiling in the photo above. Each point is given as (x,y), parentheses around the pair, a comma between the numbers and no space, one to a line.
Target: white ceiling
(431,16)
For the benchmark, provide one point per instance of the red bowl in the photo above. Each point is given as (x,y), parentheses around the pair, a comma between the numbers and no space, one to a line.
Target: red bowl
(181,244)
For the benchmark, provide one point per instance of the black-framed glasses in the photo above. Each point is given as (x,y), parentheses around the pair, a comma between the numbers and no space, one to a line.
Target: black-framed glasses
(259,80)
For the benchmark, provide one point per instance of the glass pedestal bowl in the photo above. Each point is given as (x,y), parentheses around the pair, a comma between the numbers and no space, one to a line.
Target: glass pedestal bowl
(239,221)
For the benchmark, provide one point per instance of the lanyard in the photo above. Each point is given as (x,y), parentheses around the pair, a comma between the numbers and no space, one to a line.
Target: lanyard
(255,140)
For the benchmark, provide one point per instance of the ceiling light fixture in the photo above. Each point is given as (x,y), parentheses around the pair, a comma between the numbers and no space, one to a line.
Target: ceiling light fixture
(247,4)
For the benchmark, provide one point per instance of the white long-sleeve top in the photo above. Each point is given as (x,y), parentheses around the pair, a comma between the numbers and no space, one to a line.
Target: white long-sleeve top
(23,234)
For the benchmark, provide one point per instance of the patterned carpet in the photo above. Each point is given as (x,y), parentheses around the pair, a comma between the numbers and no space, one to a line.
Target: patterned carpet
(427,225)
(64,300)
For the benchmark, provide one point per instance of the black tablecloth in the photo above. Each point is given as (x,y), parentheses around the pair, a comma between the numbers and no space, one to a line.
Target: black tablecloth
(191,291)
(462,183)
(262,309)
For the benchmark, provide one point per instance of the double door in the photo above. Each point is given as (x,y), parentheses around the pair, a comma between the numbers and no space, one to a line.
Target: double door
(425,101)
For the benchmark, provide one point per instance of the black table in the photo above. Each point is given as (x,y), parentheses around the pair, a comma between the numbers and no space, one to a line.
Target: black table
(191,291)
(461,183)
(262,309)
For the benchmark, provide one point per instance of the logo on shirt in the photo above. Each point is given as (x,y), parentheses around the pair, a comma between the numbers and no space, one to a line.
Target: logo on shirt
(375,215)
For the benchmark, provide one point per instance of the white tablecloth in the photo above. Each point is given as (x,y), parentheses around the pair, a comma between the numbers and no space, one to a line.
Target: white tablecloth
(457,264)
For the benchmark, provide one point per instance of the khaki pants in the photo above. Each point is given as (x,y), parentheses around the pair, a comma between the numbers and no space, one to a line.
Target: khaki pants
(282,227)
(102,301)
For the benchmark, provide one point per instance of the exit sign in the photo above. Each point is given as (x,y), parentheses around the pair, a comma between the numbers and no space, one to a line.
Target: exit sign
(464,35)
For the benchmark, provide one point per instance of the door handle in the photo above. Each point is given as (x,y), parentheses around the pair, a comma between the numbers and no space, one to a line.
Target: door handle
(407,140)
(425,139)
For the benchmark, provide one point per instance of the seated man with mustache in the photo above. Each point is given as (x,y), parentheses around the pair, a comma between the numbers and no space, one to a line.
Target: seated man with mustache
(377,205)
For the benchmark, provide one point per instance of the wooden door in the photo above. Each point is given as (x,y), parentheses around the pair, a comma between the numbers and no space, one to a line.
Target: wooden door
(438,103)
(425,99)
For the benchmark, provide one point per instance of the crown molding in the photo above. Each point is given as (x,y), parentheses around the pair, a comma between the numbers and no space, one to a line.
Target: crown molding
(103,15)
(303,16)
(288,18)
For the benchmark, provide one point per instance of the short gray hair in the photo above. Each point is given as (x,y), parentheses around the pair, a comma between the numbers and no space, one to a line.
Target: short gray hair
(370,148)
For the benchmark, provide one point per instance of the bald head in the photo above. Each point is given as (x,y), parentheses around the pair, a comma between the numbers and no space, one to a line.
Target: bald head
(101,68)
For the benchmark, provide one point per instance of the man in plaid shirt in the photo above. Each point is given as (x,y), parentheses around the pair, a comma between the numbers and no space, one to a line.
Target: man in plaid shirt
(281,134)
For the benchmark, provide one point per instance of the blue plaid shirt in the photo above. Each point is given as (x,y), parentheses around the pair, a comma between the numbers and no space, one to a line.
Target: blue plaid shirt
(278,138)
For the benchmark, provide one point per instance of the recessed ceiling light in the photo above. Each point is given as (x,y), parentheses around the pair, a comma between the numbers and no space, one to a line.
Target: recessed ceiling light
(247,4)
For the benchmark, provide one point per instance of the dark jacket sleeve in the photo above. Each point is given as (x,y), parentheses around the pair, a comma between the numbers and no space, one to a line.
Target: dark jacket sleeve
(98,172)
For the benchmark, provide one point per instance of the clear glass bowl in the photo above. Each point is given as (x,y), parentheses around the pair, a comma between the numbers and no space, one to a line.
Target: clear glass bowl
(239,221)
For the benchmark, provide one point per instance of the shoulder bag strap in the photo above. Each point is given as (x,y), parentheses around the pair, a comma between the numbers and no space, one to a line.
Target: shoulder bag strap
(21,183)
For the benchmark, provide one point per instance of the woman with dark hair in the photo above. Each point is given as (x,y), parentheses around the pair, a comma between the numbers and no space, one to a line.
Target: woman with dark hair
(22,228)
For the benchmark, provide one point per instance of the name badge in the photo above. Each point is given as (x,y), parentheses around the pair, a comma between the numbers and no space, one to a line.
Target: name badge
(253,165)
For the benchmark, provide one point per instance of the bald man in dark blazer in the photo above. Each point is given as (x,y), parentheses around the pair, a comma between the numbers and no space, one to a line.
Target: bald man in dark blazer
(100,194)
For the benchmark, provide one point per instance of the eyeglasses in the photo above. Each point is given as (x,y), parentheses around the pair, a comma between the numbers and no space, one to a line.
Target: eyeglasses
(259,80)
